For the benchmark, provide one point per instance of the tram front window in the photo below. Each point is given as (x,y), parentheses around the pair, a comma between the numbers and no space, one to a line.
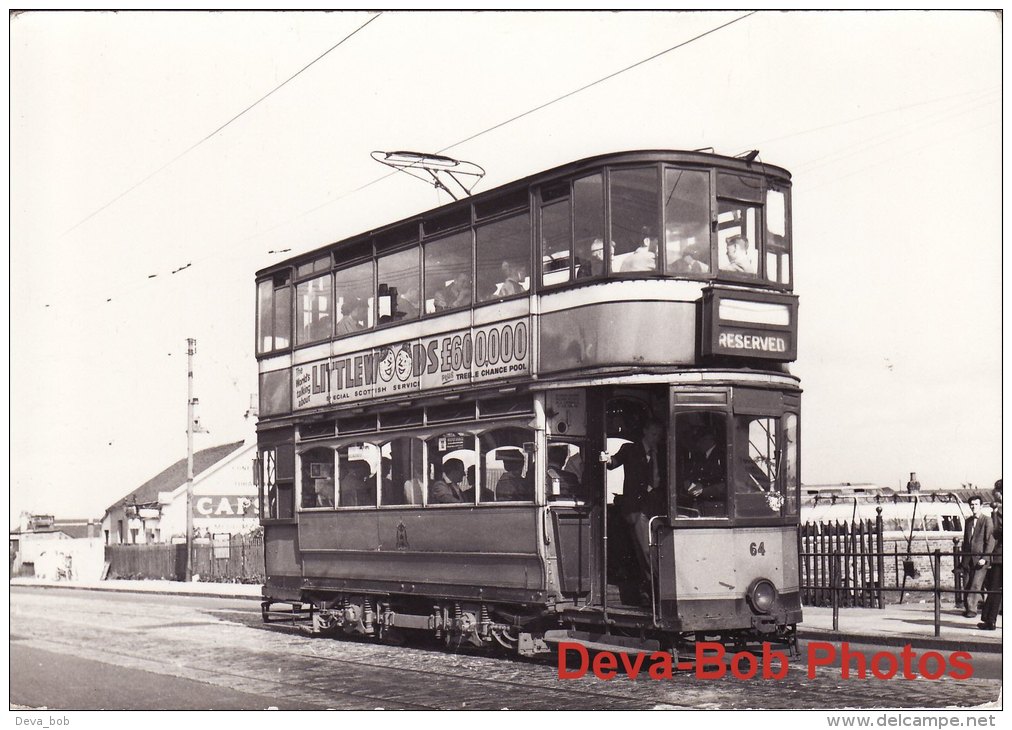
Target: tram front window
(701,464)
(757,482)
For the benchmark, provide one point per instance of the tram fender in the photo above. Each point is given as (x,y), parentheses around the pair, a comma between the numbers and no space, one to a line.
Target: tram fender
(601,642)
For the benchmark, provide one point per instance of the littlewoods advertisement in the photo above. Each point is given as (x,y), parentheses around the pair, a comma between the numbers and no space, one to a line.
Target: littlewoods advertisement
(475,355)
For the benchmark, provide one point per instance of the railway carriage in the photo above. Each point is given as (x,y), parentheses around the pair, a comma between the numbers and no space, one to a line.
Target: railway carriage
(440,398)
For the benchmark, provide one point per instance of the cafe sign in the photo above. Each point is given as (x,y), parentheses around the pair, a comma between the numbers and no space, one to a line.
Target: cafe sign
(475,355)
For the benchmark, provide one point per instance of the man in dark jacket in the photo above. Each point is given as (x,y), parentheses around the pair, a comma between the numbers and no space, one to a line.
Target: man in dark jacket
(992,604)
(978,544)
(643,493)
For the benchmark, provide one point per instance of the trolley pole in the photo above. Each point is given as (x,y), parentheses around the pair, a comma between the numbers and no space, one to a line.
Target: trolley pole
(191,349)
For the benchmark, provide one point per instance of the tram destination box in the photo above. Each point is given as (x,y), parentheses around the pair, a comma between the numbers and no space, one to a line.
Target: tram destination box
(749,324)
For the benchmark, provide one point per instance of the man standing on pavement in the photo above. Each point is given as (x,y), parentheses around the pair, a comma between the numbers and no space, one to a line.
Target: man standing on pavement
(992,604)
(978,544)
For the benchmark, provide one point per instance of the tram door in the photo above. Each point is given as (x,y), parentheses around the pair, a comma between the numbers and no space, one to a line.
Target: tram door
(634,431)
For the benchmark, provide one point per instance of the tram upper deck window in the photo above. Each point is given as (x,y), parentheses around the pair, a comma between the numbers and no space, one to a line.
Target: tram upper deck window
(739,199)
(634,217)
(701,464)
(778,249)
(274,313)
(397,294)
(314,313)
(317,474)
(357,469)
(451,469)
(588,232)
(448,273)
(354,298)
(687,221)
(504,258)
(507,465)
(556,234)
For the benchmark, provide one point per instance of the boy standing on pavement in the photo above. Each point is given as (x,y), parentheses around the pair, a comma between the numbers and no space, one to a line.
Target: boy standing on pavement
(978,544)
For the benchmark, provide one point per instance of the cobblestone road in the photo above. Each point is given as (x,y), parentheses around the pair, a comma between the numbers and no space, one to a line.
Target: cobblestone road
(221,643)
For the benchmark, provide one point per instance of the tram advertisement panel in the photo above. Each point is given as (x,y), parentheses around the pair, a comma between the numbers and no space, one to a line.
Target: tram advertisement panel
(474,355)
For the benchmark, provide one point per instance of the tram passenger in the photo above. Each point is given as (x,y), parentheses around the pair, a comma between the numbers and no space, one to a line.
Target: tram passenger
(643,258)
(514,276)
(450,488)
(561,482)
(690,261)
(356,488)
(455,294)
(642,491)
(354,312)
(512,487)
(738,255)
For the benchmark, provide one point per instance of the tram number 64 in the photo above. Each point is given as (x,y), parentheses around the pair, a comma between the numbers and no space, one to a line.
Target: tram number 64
(759,549)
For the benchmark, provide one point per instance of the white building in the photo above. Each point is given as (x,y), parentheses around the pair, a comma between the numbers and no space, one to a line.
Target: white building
(224,500)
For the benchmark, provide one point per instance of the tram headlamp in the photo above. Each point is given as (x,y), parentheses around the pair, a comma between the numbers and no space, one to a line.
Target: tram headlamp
(762,594)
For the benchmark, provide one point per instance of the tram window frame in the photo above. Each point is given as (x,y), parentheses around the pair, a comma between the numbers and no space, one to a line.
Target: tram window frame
(753,459)
(792,475)
(512,438)
(644,242)
(564,205)
(318,303)
(553,492)
(277,462)
(675,228)
(432,475)
(359,285)
(387,311)
(589,225)
(429,289)
(415,483)
(343,459)
(778,245)
(678,464)
(486,242)
(271,292)
(305,474)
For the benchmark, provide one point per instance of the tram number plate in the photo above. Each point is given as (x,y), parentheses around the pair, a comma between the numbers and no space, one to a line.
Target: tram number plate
(757,549)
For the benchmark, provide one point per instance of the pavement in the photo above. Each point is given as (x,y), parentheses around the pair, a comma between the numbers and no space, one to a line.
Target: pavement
(895,625)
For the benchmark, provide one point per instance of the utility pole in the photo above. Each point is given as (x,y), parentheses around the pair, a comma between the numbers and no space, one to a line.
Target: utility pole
(191,349)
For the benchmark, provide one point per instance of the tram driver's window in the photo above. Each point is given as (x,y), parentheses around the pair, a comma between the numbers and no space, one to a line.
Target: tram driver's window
(687,221)
(451,472)
(701,464)
(504,258)
(402,472)
(507,465)
(357,471)
(634,220)
(791,486)
(353,288)
(317,474)
(448,273)
(757,483)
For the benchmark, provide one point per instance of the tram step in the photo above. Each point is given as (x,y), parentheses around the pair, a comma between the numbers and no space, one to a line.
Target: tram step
(601,642)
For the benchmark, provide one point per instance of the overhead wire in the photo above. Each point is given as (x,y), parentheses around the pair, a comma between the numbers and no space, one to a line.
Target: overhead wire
(207,137)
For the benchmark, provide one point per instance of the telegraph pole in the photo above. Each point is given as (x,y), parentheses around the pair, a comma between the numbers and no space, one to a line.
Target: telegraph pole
(191,349)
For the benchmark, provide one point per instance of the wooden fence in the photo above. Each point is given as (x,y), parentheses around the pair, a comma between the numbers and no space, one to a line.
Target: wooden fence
(239,560)
(850,555)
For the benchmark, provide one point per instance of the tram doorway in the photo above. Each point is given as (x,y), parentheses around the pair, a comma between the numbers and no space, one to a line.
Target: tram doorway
(635,428)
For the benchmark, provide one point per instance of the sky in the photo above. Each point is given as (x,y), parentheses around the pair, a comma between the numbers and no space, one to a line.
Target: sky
(200,143)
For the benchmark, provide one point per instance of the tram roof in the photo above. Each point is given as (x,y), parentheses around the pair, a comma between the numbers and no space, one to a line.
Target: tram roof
(694,158)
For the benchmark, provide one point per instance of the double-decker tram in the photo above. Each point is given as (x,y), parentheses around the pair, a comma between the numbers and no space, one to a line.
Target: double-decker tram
(559,410)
